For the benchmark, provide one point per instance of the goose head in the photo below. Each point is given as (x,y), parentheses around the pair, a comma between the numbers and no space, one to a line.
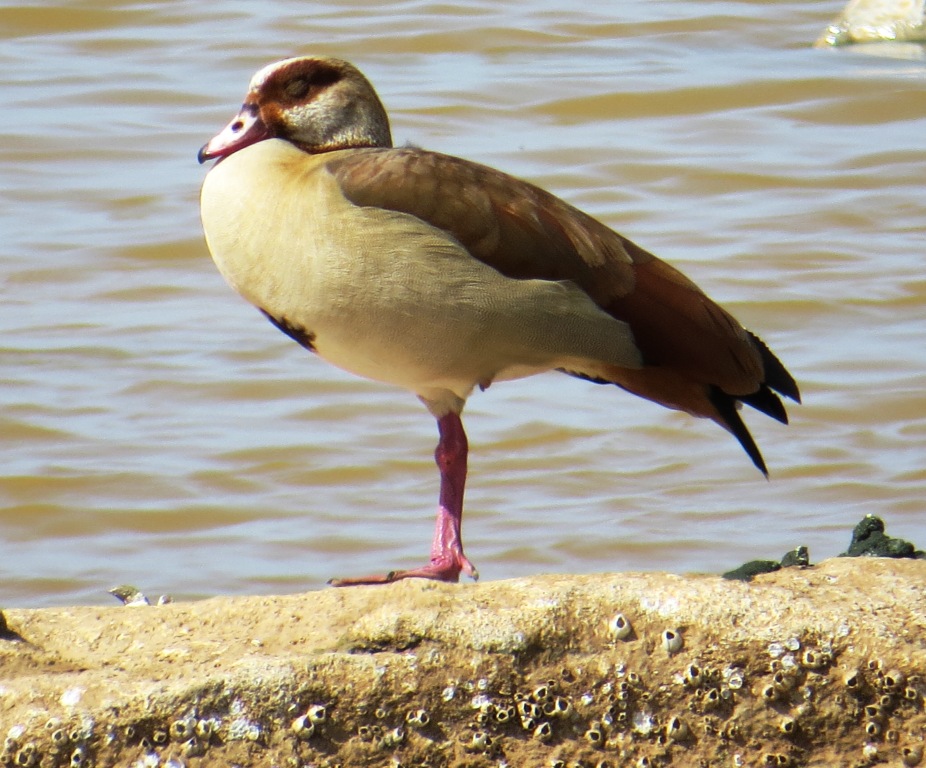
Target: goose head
(318,104)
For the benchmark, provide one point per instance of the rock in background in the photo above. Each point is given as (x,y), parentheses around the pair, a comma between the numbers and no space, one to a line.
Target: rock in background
(872,21)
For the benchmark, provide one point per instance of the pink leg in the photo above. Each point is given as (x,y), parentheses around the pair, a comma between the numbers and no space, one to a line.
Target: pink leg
(447,558)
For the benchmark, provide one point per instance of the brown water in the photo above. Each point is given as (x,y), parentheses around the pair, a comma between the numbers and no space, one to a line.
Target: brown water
(155,430)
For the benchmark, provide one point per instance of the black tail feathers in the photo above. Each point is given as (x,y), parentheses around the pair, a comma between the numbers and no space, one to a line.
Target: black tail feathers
(763,399)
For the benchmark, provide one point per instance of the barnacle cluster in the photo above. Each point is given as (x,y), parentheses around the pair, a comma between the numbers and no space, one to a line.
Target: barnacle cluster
(804,680)
(648,695)
(887,698)
(61,742)
(56,743)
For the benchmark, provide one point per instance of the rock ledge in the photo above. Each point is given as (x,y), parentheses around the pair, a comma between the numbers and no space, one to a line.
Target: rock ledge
(820,666)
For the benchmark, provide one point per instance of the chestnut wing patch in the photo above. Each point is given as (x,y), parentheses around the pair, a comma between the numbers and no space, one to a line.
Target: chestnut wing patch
(514,227)
(697,357)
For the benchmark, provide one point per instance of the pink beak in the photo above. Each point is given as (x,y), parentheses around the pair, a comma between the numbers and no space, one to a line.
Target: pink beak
(246,128)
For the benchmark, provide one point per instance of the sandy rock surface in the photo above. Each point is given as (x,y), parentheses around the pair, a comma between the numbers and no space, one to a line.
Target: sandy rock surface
(823,666)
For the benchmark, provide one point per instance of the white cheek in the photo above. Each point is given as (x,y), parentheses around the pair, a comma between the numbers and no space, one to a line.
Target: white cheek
(310,121)
(300,114)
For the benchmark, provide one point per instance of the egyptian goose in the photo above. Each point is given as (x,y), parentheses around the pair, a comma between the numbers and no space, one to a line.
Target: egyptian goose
(440,275)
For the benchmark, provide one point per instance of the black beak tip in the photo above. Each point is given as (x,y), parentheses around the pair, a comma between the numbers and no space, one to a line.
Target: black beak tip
(202,156)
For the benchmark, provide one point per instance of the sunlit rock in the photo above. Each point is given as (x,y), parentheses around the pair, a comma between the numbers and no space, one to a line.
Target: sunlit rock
(868,21)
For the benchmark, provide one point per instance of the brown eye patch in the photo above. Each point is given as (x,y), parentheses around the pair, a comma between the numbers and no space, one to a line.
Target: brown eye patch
(308,79)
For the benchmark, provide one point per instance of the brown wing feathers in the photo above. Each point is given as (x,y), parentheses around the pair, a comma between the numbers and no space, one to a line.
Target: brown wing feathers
(697,357)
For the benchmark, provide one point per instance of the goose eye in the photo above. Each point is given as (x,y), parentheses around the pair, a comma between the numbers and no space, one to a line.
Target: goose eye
(296,88)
